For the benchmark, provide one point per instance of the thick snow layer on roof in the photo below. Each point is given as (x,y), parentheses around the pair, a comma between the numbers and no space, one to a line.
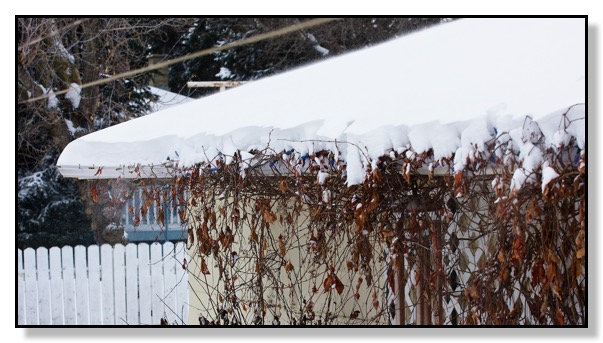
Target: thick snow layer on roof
(450,88)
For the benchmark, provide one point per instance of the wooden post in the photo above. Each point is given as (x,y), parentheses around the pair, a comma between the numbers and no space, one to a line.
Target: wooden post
(424,292)
(400,290)
(437,240)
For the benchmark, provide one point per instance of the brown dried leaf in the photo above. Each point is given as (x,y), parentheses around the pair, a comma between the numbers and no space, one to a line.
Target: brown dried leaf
(473,291)
(580,238)
(504,274)
(377,175)
(501,257)
(350,264)
(372,205)
(204,269)
(375,301)
(559,316)
(338,285)
(328,283)
(532,211)
(288,266)
(268,215)
(149,200)
(580,253)
(391,281)
(160,216)
(281,246)
(253,235)
(182,214)
(406,174)
(263,251)
(94,194)
(358,284)
(222,239)
(310,306)
(283,186)
(386,233)
(143,210)
(556,290)
(459,186)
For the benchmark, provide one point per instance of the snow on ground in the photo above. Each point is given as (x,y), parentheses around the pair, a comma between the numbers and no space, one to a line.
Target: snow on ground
(451,88)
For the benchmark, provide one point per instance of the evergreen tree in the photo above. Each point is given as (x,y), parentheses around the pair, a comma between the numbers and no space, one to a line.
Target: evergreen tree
(272,56)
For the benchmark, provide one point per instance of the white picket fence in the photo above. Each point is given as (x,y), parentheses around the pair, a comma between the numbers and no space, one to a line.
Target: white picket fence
(111,285)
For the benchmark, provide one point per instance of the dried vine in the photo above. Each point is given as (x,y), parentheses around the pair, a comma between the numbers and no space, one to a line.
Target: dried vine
(280,238)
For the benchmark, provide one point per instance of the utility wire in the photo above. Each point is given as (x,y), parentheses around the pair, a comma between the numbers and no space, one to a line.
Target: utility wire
(238,43)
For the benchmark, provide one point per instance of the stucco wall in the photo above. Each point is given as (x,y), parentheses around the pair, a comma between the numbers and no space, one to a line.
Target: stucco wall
(287,294)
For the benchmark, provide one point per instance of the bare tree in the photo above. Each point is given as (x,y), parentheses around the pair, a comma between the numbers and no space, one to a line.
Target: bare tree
(56,54)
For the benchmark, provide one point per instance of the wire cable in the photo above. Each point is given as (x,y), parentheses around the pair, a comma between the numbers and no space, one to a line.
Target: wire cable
(238,43)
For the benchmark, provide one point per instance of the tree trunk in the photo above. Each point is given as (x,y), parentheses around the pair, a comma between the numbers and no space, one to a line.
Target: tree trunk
(90,72)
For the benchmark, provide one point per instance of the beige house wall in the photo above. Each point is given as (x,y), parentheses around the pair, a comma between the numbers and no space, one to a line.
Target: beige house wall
(284,290)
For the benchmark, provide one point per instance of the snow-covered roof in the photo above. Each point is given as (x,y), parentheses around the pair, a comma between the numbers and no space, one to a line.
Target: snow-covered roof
(446,88)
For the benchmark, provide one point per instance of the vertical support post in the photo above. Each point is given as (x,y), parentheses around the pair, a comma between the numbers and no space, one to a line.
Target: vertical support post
(424,268)
(437,240)
(400,287)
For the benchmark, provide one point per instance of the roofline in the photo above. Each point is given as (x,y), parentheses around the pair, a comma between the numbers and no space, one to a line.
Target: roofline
(117,172)
(167,171)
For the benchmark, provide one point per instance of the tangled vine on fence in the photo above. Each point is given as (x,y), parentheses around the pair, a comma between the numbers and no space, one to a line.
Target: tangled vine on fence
(280,238)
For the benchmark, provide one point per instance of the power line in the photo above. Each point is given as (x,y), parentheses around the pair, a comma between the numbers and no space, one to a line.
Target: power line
(238,43)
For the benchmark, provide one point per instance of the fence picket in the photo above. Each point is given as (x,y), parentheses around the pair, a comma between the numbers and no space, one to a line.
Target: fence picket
(132,285)
(182,281)
(20,289)
(169,281)
(31,287)
(81,286)
(119,282)
(68,285)
(156,294)
(135,284)
(107,284)
(144,284)
(43,286)
(56,286)
(94,285)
